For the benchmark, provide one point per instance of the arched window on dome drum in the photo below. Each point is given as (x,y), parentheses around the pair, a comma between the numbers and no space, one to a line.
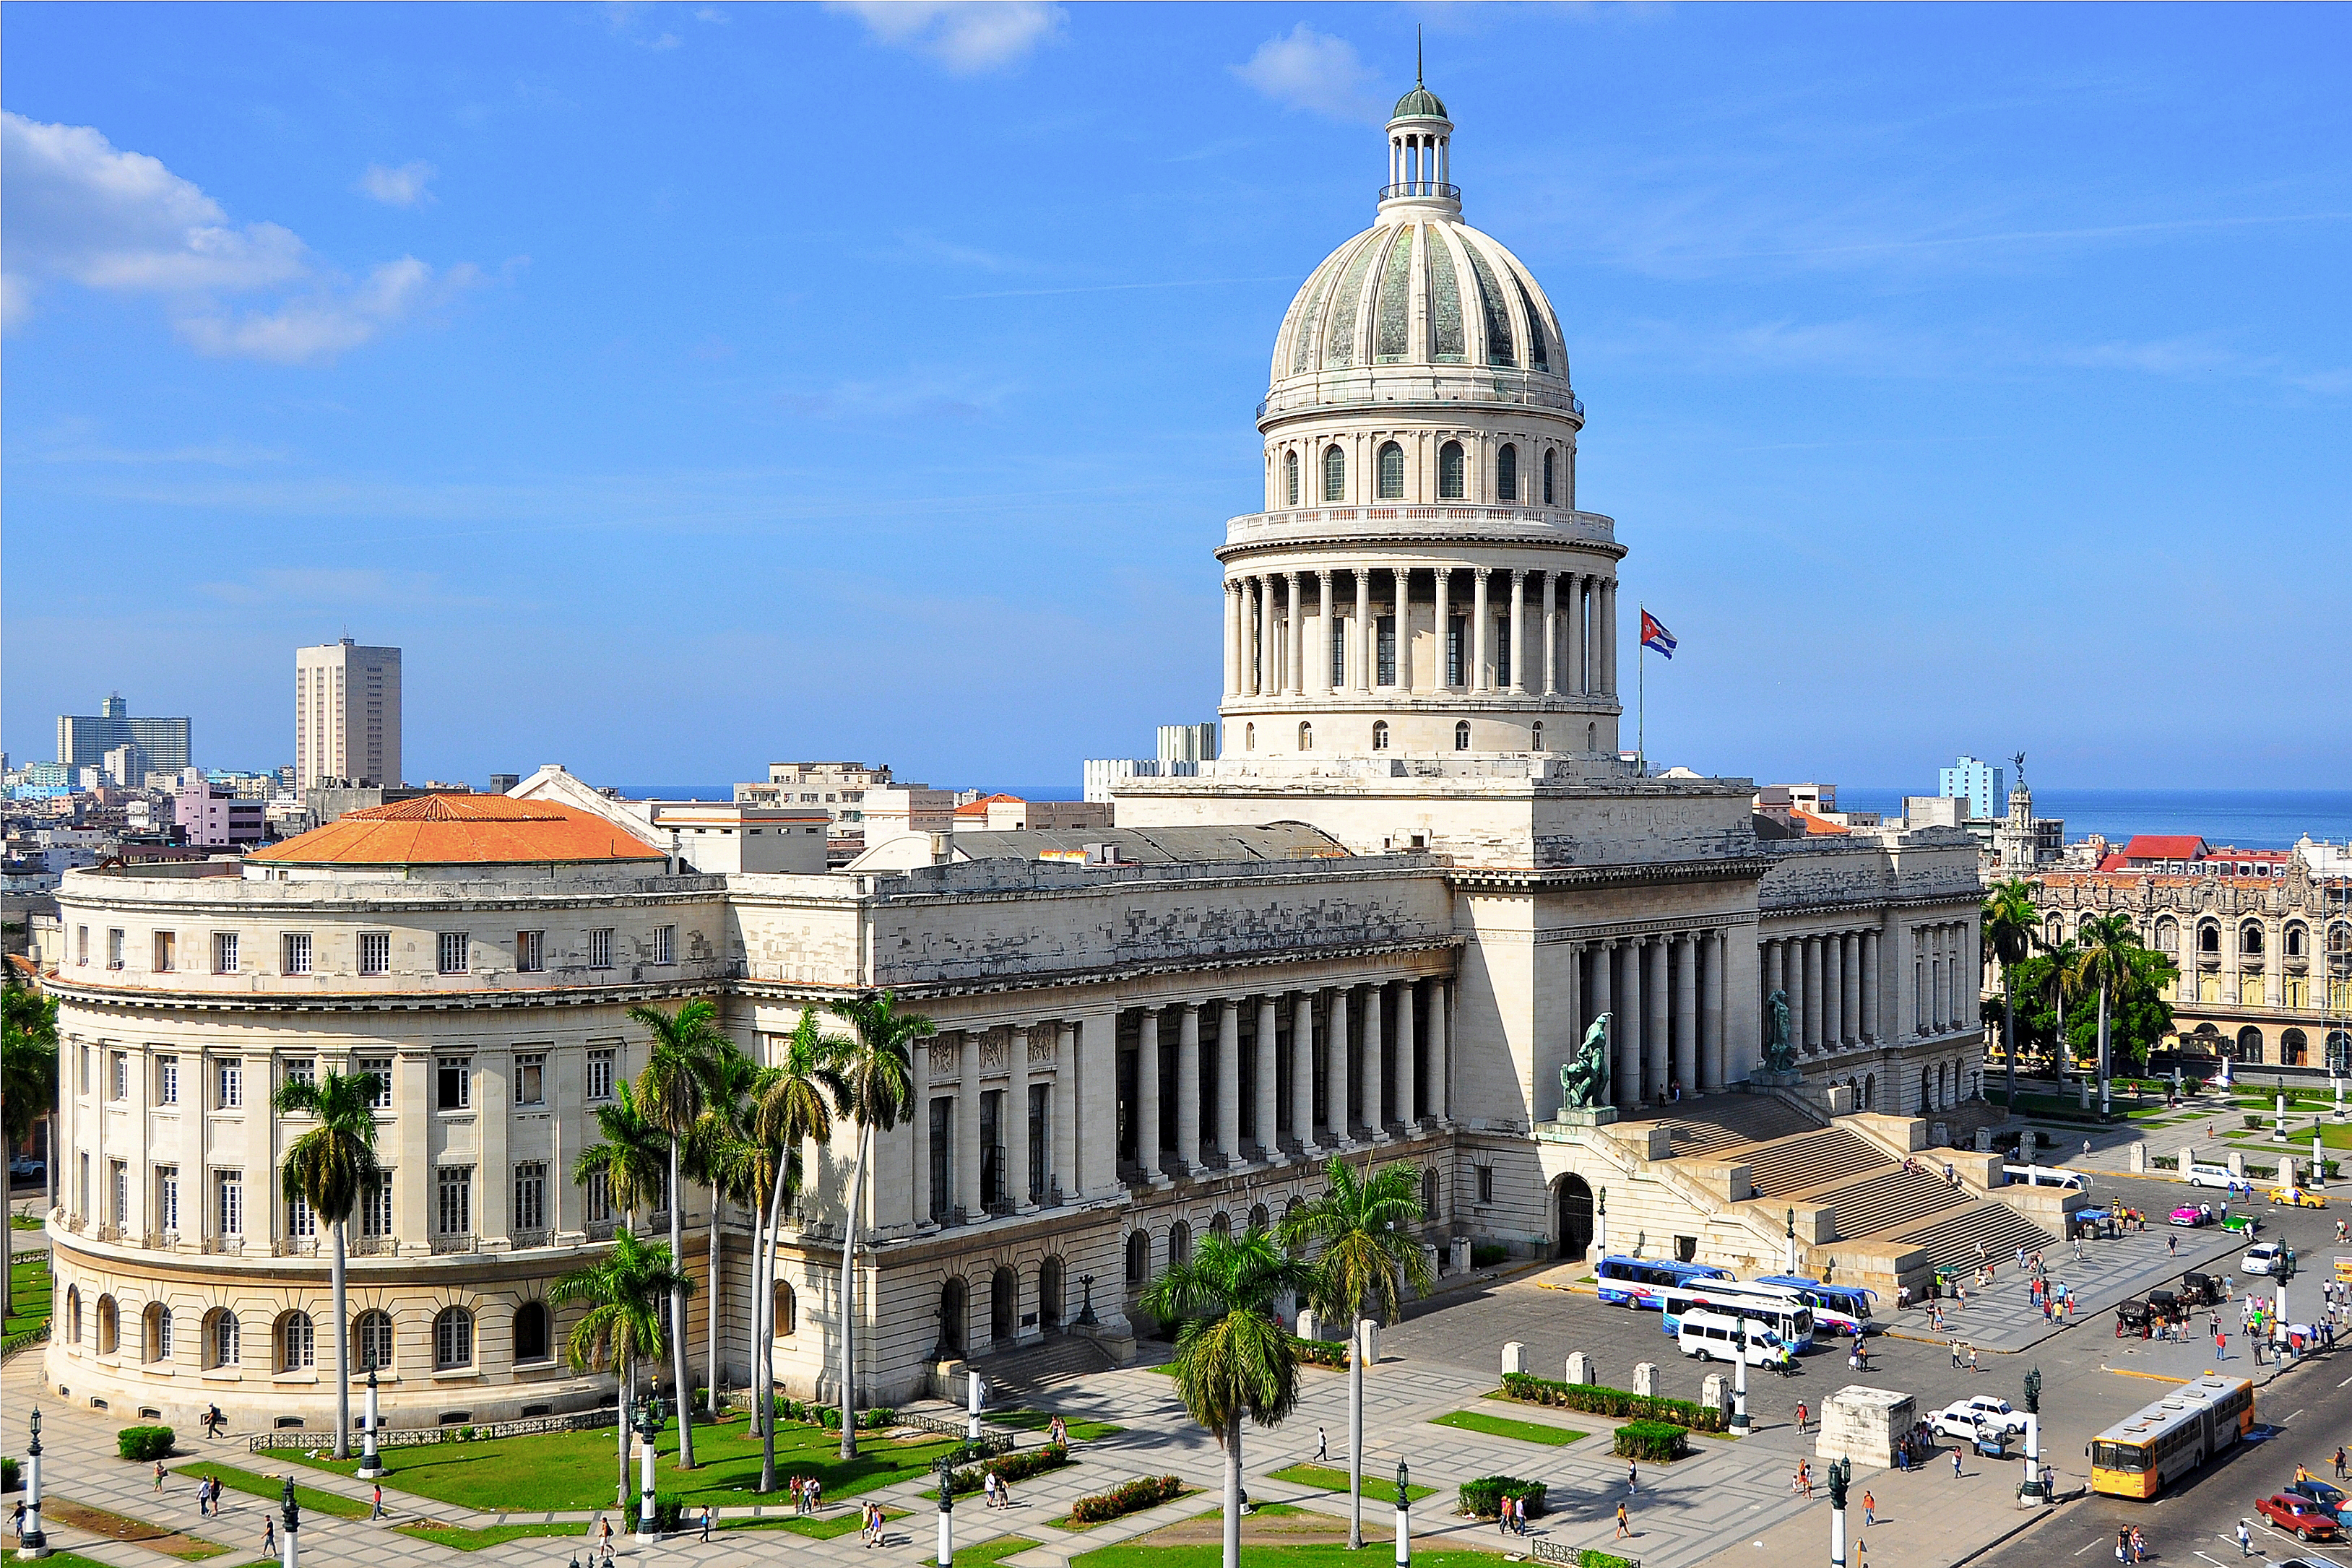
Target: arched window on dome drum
(1335,473)
(1306,738)
(1449,472)
(1462,735)
(1548,468)
(1538,736)
(1249,738)
(1391,472)
(1507,473)
(1381,736)
(1290,479)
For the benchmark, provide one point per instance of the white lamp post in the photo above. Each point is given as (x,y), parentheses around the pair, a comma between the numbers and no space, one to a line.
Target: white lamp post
(291,1555)
(972,1395)
(36,1541)
(371,1463)
(1404,1517)
(946,1470)
(648,1430)
(1739,1384)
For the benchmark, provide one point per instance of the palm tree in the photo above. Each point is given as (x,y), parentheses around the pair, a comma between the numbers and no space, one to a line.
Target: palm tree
(629,1157)
(1233,1357)
(28,1068)
(712,1147)
(676,1083)
(622,1328)
(1361,1231)
(872,1072)
(328,1167)
(2106,964)
(789,1111)
(2011,925)
(2054,992)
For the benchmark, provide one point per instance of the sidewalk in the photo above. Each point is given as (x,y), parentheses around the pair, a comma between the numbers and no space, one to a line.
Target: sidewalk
(1999,1319)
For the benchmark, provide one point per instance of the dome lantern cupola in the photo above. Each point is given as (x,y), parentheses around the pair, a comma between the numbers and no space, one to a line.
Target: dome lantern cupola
(1421,154)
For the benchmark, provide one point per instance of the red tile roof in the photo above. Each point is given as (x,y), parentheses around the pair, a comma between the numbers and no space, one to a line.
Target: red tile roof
(2164,847)
(1813,824)
(462,829)
(979,808)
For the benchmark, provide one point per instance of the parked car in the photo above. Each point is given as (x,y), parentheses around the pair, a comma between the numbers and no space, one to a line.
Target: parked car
(2189,1214)
(2262,1258)
(28,1166)
(2297,1198)
(2298,1514)
(2242,1225)
(1962,1418)
(2326,1495)
(2208,1176)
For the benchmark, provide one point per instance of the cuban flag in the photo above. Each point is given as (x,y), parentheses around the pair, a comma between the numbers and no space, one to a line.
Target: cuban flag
(1656,637)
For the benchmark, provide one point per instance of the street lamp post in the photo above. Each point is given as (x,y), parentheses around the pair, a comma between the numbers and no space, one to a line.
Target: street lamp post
(972,1395)
(1840,1477)
(371,1462)
(292,1552)
(1601,1225)
(946,1468)
(1739,1384)
(1404,1517)
(1793,1241)
(2285,1272)
(1086,1318)
(648,1430)
(35,1543)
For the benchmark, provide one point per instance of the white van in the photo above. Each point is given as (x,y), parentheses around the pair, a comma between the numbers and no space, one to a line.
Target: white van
(2047,1175)
(2210,1175)
(1714,1336)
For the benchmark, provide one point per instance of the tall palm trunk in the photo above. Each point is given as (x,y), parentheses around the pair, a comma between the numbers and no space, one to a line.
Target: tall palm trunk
(1234,1491)
(2103,1051)
(679,1370)
(343,1353)
(623,1376)
(849,1299)
(1356,1435)
(767,1345)
(2008,1032)
(710,1313)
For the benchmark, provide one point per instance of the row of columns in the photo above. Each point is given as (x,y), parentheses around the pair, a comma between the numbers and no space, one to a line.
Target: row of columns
(1946,977)
(1664,993)
(1269,653)
(1419,159)
(1830,981)
(950,1067)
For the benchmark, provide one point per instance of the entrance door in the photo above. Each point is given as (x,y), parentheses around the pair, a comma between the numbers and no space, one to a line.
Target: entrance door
(1004,1301)
(1574,1228)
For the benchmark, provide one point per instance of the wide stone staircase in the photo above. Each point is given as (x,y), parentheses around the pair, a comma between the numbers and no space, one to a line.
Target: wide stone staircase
(1829,1156)
(1024,1374)
(1950,1241)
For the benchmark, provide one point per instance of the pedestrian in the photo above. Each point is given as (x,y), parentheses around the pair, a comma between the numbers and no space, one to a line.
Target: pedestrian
(378,1512)
(1801,1413)
(268,1534)
(1972,1360)
(1869,1509)
(2339,1461)
(1322,1446)
(706,1521)
(2245,1540)
(1624,1526)
(1633,1477)
(1955,1355)
(2123,1544)
(1955,1464)
(159,1475)
(2172,1246)
(17,1520)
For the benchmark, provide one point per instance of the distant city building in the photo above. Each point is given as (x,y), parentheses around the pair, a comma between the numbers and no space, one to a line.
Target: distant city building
(334,797)
(1933,810)
(84,739)
(2186,854)
(841,788)
(1981,784)
(1004,813)
(1188,742)
(1182,748)
(215,816)
(126,765)
(501,783)
(346,715)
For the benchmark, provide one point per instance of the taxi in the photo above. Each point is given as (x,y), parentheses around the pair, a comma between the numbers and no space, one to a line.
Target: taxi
(2297,1198)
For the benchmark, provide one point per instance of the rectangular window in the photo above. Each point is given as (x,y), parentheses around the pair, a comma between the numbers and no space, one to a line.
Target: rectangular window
(224,951)
(530,1196)
(167,1081)
(1384,644)
(1485,1184)
(664,944)
(599,1074)
(231,1083)
(1502,636)
(530,952)
(298,952)
(942,1155)
(453,1200)
(114,950)
(375,1206)
(1455,627)
(82,1185)
(230,1185)
(302,1220)
(81,944)
(530,1080)
(119,1171)
(455,951)
(453,1080)
(118,1075)
(600,948)
(301,1070)
(1339,654)
(375,952)
(167,1197)
(600,1198)
(380,1068)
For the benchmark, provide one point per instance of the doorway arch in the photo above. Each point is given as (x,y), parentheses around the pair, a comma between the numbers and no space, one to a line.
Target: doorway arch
(955,1318)
(1049,1294)
(1003,1306)
(1573,1201)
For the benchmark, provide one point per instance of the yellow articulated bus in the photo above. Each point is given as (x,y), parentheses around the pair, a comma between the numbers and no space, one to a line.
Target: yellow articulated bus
(2139,1456)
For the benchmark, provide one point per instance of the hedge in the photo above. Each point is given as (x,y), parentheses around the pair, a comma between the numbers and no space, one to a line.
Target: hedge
(1485,1255)
(1598,1401)
(1126,1498)
(1589,1558)
(1010,1468)
(144,1443)
(1483,1497)
(7,1475)
(1320,1352)
(1657,1441)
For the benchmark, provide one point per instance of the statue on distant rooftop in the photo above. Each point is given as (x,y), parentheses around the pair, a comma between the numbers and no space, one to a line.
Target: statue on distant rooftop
(1779,1056)
(1584,1078)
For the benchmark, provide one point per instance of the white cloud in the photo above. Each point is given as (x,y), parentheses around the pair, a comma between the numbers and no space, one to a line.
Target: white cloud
(401,187)
(1314,72)
(77,209)
(968,36)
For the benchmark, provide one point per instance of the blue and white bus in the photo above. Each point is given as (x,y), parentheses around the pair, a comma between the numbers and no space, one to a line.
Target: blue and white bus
(1775,1307)
(1643,1281)
(1837,1309)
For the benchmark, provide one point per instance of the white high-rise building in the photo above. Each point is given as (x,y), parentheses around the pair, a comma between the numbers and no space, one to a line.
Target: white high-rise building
(346,715)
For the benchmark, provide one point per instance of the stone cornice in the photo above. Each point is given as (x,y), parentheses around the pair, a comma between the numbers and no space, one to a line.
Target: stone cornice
(1547,879)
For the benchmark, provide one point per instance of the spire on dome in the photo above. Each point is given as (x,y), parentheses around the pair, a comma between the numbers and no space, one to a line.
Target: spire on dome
(1420,146)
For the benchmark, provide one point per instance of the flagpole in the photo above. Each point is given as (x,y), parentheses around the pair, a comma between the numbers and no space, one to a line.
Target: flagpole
(1641,705)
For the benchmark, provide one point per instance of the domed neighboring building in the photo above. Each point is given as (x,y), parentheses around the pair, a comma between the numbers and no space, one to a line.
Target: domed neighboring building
(1421,580)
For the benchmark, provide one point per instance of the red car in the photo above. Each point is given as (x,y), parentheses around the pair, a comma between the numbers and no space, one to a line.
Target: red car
(2299,1514)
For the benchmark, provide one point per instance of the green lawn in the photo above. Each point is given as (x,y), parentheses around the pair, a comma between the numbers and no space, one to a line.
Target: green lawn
(989,1552)
(1503,1426)
(28,1222)
(1081,1430)
(1379,1486)
(459,1537)
(273,1487)
(840,1524)
(1332,1554)
(30,1294)
(565,1470)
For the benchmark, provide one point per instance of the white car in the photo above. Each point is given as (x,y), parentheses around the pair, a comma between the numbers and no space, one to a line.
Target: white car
(1960,1420)
(2261,1258)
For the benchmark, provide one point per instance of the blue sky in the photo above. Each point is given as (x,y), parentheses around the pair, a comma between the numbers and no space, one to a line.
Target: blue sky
(688,387)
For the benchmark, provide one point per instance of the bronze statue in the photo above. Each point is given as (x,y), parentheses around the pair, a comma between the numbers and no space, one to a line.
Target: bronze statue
(1779,1056)
(1584,1078)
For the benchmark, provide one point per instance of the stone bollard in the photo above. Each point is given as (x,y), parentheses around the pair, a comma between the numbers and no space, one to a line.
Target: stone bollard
(1645,1379)
(2139,1159)
(2237,1165)
(1580,1368)
(1515,1358)
(1306,1323)
(1715,1393)
(1457,1255)
(1368,1341)
(2187,1157)
(2286,1170)
(1984,1140)
(1429,1256)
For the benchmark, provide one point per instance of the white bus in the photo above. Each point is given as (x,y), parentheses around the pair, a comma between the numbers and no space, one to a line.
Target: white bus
(1775,1307)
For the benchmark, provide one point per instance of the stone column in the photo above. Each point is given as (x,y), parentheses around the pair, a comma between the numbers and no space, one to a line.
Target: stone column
(1478,628)
(1443,576)
(1604,955)
(1269,1081)
(1322,658)
(1368,1055)
(1850,1014)
(1686,1013)
(1232,632)
(1016,1119)
(1609,638)
(1812,987)
(1367,640)
(1188,1089)
(1518,682)
(1297,683)
(1335,1069)
(1403,615)
(918,1064)
(1260,635)
(1065,1141)
(1552,634)
(1095,1132)
(966,1126)
(1833,991)
(1657,1059)
(1711,1054)
(1302,1070)
(1871,1027)
(1441,1071)
(1147,1094)
(1408,1062)
(1229,1082)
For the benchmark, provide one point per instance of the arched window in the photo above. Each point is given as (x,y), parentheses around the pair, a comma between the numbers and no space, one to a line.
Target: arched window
(1221,1223)
(2208,939)
(1592,737)
(1548,468)
(452,1340)
(1380,734)
(1139,1256)
(1179,1245)
(223,1338)
(297,1342)
(1449,471)
(1538,736)
(531,1338)
(107,1325)
(787,1308)
(1391,471)
(1306,738)
(1290,479)
(373,1333)
(2295,941)
(1259,1218)
(1462,735)
(1429,1192)
(1335,473)
(955,1316)
(1249,738)
(1507,473)
(157,1323)
(2167,936)
(2249,1044)
(73,1314)
(2250,939)
(2293,1045)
